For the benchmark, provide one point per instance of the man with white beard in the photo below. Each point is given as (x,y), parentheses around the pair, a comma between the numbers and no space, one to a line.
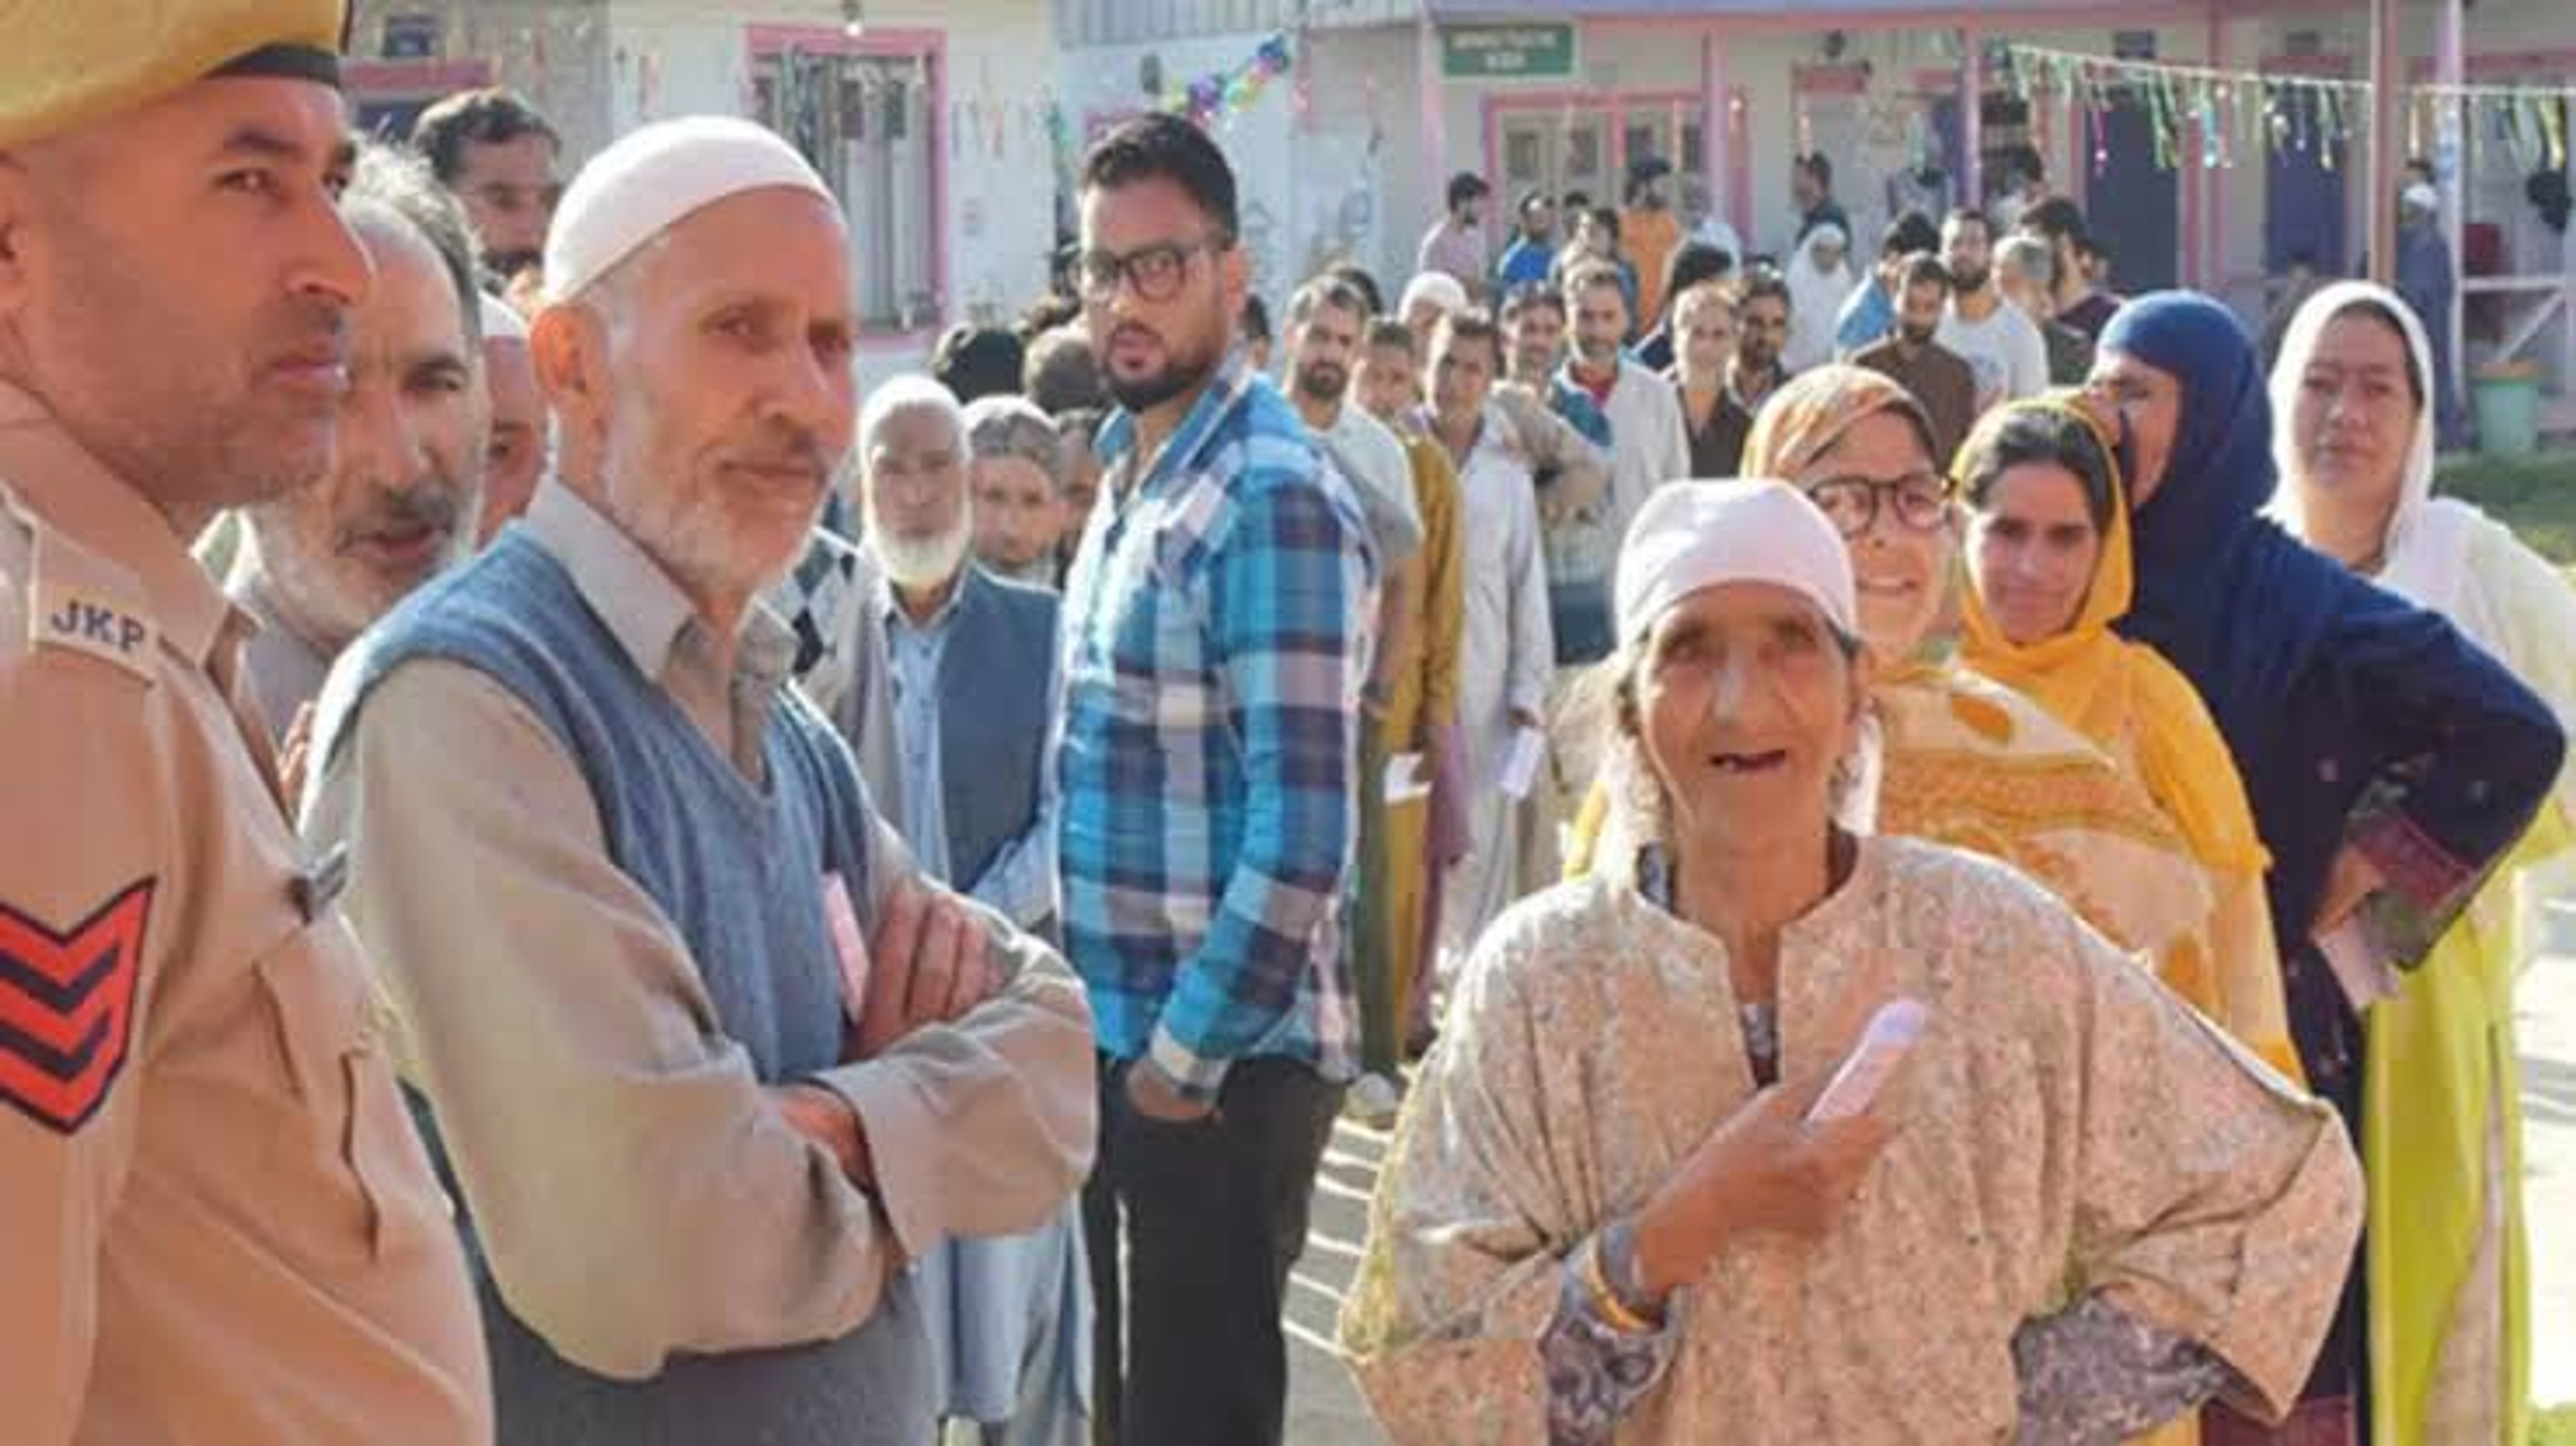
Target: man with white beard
(320,564)
(970,680)
(971,658)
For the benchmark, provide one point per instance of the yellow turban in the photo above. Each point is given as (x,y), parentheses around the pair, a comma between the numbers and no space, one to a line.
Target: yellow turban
(70,63)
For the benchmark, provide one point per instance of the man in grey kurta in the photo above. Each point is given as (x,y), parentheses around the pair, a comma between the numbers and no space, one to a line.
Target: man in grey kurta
(705,1058)
(317,566)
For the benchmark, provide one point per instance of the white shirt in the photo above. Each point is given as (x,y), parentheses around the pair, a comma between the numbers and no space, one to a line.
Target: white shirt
(1371,459)
(2005,350)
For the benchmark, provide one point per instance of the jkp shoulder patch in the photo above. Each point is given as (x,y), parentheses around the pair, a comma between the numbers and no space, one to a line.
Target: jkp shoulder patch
(84,620)
(67,1006)
(83,603)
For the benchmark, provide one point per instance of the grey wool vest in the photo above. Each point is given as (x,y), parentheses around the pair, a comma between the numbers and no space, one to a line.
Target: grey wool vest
(996,697)
(739,873)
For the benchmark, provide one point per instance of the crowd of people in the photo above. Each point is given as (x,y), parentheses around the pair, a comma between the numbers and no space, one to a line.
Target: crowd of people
(581,879)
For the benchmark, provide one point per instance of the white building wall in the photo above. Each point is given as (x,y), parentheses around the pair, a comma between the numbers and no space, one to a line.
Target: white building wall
(1295,176)
(601,68)
(1360,173)
(1868,141)
(555,52)
(681,57)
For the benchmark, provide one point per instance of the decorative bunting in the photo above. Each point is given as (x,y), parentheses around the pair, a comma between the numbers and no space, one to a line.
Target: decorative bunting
(1218,97)
(2310,115)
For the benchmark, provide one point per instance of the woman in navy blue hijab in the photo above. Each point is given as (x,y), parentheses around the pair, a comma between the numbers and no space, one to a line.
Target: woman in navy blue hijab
(2388,760)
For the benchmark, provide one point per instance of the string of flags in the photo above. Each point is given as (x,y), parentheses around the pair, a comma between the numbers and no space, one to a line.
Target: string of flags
(2217,116)
(1219,96)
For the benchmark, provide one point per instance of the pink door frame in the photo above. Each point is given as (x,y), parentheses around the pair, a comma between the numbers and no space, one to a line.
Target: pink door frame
(1615,107)
(930,47)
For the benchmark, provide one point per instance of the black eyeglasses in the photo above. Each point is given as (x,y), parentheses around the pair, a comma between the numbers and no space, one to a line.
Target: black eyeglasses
(1921,501)
(1155,271)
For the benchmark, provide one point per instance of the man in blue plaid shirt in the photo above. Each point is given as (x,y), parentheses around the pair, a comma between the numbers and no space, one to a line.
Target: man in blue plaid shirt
(1216,641)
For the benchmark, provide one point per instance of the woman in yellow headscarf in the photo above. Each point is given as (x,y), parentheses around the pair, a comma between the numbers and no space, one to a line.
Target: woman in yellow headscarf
(1966,762)
(2049,573)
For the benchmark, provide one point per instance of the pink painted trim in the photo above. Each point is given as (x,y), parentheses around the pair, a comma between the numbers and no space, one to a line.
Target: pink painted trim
(2192,180)
(2520,62)
(391,79)
(1433,116)
(2079,142)
(1491,140)
(2543,281)
(1828,80)
(2321,66)
(1972,115)
(2214,249)
(1716,129)
(1615,107)
(1739,165)
(936,61)
(931,48)
(1786,21)
(767,40)
(1623,100)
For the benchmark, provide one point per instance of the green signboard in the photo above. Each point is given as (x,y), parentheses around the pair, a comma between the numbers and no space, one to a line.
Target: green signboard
(1506,51)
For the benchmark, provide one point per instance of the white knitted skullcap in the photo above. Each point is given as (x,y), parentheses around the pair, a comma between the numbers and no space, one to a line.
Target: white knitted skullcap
(651,179)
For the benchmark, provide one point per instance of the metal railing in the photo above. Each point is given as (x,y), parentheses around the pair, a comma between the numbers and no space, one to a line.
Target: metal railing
(2539,326)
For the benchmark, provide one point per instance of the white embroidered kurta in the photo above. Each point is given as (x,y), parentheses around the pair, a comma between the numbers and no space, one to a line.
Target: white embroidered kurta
(1506,657)
(2067,1129)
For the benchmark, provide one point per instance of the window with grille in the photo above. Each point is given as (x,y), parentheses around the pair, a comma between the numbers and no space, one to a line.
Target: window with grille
(870,125)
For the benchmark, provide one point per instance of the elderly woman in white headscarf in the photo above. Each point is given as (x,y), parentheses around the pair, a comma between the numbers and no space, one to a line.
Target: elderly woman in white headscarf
(1623,1203)
(1820,280)
(2352,399)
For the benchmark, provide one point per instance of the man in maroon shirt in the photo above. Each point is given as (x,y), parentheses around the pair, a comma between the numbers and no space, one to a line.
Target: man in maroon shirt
(1937,376)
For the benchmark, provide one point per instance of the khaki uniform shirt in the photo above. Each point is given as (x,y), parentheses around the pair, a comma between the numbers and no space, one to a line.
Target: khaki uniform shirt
(554,1018)
(220,1226)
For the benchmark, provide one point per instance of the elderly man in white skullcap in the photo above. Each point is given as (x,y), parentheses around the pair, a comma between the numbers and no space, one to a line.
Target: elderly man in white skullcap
(517,456)
(706,1058)
(1427,298)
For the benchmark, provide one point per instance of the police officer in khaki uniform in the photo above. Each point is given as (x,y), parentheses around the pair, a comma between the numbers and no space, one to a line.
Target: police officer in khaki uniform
(216,1223)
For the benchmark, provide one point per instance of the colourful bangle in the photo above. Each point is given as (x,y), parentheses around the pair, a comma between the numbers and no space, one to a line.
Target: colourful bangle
(1605,1300)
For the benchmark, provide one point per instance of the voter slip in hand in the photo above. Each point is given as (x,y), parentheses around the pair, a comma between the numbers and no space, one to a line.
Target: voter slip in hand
(1520,764)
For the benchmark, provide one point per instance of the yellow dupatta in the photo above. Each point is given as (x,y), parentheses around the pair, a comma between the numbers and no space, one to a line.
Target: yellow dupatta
(2134,705)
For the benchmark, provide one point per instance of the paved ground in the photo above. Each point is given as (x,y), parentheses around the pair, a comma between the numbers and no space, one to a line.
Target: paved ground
(1325,1409)
(2545,1016)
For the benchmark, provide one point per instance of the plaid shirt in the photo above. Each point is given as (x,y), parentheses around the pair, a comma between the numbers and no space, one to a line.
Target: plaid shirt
(1216,638)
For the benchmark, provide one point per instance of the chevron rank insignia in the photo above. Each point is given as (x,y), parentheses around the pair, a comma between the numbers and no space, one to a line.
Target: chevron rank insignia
(67,1007)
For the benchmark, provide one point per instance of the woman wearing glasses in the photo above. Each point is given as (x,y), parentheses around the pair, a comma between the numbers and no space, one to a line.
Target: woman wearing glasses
(1966,762)
(2049,572)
